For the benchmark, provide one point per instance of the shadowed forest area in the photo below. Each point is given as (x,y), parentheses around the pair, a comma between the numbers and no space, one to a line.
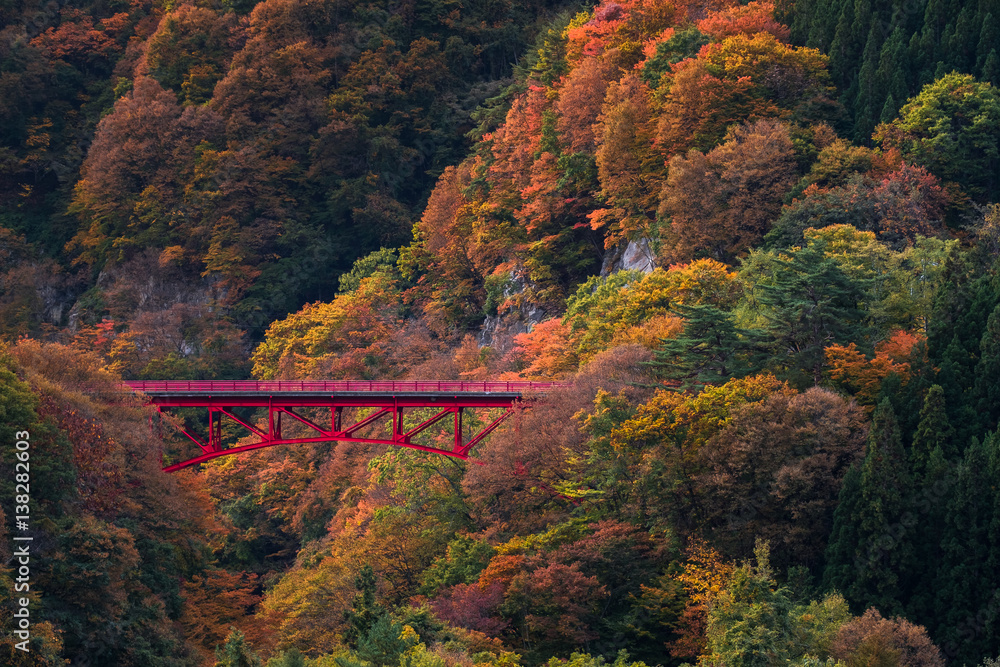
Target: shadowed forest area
(759,243)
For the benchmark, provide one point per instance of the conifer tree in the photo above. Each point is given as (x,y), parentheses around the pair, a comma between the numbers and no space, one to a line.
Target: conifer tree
(891,76)
(383,644)
(811,304)
(934,431)
(993,533)
(236,652)
(843,50)
(885,483)
(841,550)
(868,89)
(867,564)
(962,39)
(989,37)
(961,316)
(956,378)
(813,27)
(991,68)
(712,349)
(365,611)
(966,584)
(987,373)
(928,507)
(889,109)
(750,622)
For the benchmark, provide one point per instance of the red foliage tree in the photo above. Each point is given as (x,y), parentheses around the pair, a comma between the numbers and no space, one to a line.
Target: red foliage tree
(748,19)
(472,606)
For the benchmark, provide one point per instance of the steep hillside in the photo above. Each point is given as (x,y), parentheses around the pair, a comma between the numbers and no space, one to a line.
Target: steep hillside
(758,243)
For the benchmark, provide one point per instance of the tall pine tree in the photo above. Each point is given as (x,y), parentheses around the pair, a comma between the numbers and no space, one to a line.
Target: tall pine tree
(810,305)
(365,611)
(987,374)
(934,431)
(712,349)
(866,562)
(841,554)
(866,103)
(968,588)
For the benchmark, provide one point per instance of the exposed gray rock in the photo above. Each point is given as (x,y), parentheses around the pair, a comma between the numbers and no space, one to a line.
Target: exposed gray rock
(630,255)
(638,256)
(498,331)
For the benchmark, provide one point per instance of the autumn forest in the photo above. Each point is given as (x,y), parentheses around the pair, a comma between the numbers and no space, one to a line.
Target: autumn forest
(756,243)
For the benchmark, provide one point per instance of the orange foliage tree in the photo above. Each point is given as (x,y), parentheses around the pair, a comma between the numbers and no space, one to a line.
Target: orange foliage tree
(862,376)
(215,602)
(704,576)
(749,19)
(628,169)
(722,203)
(741,77)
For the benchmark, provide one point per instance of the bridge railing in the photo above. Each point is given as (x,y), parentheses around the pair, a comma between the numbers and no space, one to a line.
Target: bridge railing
(332,386)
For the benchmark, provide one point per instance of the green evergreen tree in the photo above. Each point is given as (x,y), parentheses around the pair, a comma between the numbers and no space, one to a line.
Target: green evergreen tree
(867,104)
(841,551)
(372,633)
(798,17)
(955,334)
(712,349)
(889,110)
(950,304)
(236,652)
(817,22)
(291,658)
(885,484)
(991,68)
(987,374)
(928,507)
(811,304)
(365,611)
(843,50)
(955,377)
(891,76)
(936,17)
(960,41)
(934,431)
(907,398)
(384,643)
(992,632)
(862,25)
(966,584)
(750,623)
(919,58)
(989,37)
(866,560)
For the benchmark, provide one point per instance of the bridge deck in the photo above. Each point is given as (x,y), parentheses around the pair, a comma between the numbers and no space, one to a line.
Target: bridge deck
(390,400)
(328,387)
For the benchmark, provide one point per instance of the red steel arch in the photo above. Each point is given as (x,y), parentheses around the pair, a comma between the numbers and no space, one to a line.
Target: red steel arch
(389,400)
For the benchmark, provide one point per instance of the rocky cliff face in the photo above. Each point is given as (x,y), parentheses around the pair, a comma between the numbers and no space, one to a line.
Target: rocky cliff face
(633,255)
(498,331)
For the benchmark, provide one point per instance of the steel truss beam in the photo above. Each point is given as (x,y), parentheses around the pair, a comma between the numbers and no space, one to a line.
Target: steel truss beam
(388,411)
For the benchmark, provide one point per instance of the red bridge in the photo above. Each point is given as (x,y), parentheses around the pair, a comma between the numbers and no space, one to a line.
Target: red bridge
(369,408)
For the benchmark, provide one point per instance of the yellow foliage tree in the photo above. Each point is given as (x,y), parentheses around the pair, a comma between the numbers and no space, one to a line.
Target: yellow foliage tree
(346,337)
